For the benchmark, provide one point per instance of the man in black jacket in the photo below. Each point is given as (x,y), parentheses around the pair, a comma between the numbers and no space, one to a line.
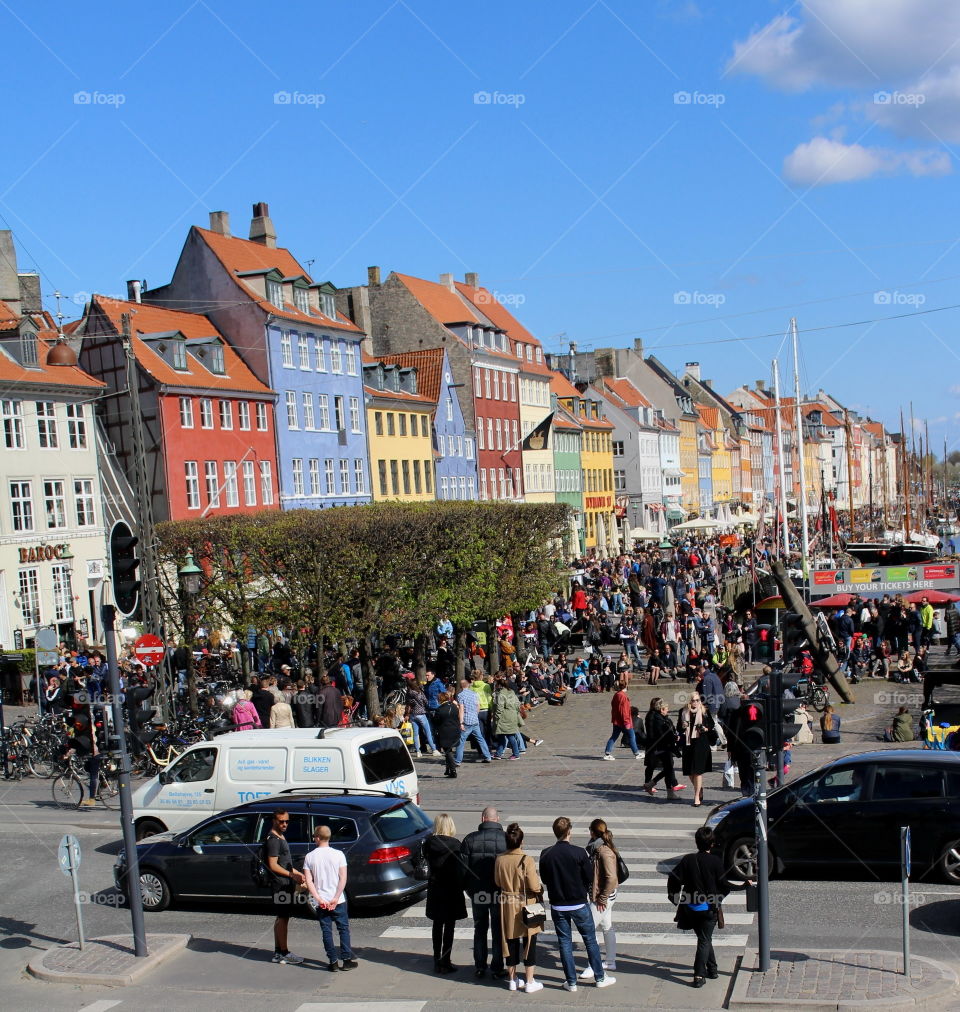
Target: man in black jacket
(567,872)
(479,852)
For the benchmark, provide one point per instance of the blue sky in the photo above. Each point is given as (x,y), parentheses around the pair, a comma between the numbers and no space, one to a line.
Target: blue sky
(689,173)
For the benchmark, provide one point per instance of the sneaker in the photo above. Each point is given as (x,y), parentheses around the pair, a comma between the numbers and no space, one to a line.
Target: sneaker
(512,985)
(88,803)
(488,760)
(569,987)
(277,957)
(679,787)
(608,757)
(537,741)
(521,982)
(606,981)
(638,755)
(289,957)
(587,974)
(496,757)
(437,752)
(333,966)
(534,986)
(512,757)
(418,754)
(349,964)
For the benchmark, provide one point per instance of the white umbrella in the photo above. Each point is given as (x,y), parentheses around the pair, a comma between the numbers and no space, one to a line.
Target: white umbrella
(613,537)
(700,524)
(746,517)
(574,537)
(627,535)
(601,537)
(642,534)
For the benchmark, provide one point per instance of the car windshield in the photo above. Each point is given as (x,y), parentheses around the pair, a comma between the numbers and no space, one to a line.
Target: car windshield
(400,823)
(385,759)
(194,767)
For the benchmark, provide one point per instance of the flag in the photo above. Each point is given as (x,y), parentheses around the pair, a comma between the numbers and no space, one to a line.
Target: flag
(536,439)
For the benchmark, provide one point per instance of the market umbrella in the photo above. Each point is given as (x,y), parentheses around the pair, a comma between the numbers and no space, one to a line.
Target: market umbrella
(613,537)
(771,602)
(836,601)
(627,536)
(933,596)
(746,517)
(601,537)
(700,524)
(574,535)
(642,534)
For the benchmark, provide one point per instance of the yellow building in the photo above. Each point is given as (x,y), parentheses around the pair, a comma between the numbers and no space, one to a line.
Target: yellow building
(721,463)
(690,482)
(596,458)
(399,428)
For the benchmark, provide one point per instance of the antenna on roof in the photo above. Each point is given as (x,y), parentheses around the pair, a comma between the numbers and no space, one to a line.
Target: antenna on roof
(59,314)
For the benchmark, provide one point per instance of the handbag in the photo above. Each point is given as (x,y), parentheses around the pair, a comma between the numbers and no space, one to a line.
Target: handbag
(623,872)
(533,915)
(421,866)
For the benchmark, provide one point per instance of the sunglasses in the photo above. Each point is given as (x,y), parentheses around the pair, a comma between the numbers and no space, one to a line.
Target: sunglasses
(283,822)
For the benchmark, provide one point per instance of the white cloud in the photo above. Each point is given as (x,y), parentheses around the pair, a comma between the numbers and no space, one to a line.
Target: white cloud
(926,107)
(822,160)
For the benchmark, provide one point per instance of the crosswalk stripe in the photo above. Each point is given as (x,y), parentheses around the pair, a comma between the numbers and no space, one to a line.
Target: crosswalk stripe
(649,916)
(100,1006)
(356,1006)
(624,898)
(671,938)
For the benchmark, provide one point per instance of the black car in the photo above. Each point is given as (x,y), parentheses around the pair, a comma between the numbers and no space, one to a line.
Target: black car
(380,834)
(848,813)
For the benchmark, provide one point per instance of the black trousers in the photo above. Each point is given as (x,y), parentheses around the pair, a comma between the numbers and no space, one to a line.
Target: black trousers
(443,940)
(704,961)
(522,949)
(486,916)
(451,767)
(662,761)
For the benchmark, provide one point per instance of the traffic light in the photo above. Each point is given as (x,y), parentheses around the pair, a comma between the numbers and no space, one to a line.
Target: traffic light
(753,730)
(123,566)
(792,634)
(139,715)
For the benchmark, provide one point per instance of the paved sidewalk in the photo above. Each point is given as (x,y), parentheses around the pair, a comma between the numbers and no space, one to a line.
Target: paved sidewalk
(830,979)
(109,961)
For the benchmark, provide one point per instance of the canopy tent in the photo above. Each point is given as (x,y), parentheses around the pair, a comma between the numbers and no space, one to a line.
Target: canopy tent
(642,534)
(933,596)
(744,518)
(700,524)
(834,601)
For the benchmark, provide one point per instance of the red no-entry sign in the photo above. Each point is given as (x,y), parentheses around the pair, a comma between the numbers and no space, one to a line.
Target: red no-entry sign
(148,650)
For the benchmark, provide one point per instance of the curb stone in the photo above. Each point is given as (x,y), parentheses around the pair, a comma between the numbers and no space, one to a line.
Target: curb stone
(108,961)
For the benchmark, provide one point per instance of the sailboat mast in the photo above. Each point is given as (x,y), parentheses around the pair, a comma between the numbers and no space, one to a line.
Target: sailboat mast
(785,532)
(904,480)
(849,438)
(804,535)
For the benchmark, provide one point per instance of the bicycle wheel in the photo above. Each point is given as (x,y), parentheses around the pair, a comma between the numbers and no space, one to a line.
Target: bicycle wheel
(819,698)
(42,764)
(67,791)
(108,792)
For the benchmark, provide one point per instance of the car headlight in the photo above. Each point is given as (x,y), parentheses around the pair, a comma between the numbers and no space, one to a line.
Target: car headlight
(716,818)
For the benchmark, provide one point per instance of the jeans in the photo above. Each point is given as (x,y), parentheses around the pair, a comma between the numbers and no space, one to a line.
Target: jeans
(487,915)
(515,743)
(338,917)
(704,961)
(953,641)
(583,919)
(472,731)
(629,737)
(422,726)
(485,728)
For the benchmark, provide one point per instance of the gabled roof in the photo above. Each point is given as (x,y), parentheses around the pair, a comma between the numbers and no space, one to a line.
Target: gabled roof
(562,419)
(710,416)
(562,387)
(429,365)
(243,256)
(495,311)
(146,320)
(415,401)
(625,391)
(14,374)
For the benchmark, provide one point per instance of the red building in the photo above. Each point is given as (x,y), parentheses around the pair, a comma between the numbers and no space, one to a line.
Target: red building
(210,426)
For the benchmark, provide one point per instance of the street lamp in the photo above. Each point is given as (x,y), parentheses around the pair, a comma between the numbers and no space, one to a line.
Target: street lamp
(666,549)
(189,574)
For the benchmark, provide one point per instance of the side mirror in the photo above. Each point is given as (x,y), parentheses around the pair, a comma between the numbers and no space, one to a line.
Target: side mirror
(164,777)
(197,848)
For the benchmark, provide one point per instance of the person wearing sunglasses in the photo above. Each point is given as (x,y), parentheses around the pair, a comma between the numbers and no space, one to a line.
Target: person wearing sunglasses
(285,880)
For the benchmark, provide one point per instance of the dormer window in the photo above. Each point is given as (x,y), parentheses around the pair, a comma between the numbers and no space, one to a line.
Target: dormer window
(328,305)
(529,352)
(275,293)
(301,299)
(178,350)
(216,360)
(503,342)
(478,337)
(539,354)
(28,350)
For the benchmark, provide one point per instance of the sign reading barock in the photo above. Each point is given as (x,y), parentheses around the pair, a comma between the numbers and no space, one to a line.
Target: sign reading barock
(884,580)
(42,553)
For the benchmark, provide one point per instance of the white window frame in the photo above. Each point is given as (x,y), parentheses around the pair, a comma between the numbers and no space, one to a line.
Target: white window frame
(226,414)
(47,425)
(359,476)
(329,479)
(243,414)
(306,401)
(186,412)
(477,383)
(191,484)
(443,488)
(449,407)
(293,419)
(321,354)
(275,293)
(468,447)
(344,476)
(231,491)
(249,484)
(206,413)
(62,593)
(29,585)
(486,383)
(22,517)
(261,413)
(496,385)
(286,349)
(301,299)
(328,305)
(266,483)
(55,503)
(11,412)
(84,500)
(339,414)
(303,351)
(313,468)
(211,478)
(76,427)
(323,411)
(336,357)
(179,355)
(355,414)
(351,350)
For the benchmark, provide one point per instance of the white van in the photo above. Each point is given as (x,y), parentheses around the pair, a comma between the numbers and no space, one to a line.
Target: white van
(234,768)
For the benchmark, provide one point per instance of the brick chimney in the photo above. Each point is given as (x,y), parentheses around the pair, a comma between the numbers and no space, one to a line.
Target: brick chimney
(220,222)
(373,277)
(9,281)
(261,228)
(472,279)
(30,298)
(693,369)
(447,280)
(758,384)
(638,346)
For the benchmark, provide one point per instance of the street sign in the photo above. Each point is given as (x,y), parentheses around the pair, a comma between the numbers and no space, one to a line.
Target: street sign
(47,640)
(68,854)
(884,579)
(149,650)
(251,638)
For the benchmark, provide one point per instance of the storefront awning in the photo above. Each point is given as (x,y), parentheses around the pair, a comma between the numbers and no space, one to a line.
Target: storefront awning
(676,514)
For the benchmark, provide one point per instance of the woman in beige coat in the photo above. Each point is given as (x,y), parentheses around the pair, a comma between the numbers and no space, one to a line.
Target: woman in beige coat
(516,877)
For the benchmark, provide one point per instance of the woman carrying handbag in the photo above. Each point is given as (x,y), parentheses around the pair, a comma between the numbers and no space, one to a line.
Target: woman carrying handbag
(697,733)
(522,914)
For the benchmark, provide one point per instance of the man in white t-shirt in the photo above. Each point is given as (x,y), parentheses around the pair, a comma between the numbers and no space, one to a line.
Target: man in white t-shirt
(325,870)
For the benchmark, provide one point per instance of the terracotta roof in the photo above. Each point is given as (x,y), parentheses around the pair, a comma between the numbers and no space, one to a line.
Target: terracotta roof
(626,391)
(12,373)
(241,256)
(145,319)
(429,365)
(562,387)
(562,419)
(874,428)
(710,416)
(9,320)
(414,400)
(501,317)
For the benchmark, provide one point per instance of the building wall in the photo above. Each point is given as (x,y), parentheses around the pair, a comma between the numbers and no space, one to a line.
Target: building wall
(689,483)
(569,474)
(456,445)
(402,464)
(596,459)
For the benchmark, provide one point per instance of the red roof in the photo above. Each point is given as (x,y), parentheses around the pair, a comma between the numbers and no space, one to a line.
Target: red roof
(504,320)
(429,365)
(145,320)
(414,400)
(241,256)
(710,416)
(562,387)
(625,391)
(562,419)
(13,374)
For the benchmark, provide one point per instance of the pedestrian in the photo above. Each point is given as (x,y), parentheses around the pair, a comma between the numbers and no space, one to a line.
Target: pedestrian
(697,885)
(479,852)
(829,726)
(603,892)
(469,704)
(447,731)
(285,880)
(662,741)
(329,703)
(262,701)
(281,715)
(325,872)
(507,720)
(622,722)
(245,716)
(445,904)
(417,712)
(567,872)
(697,732)
(519,884)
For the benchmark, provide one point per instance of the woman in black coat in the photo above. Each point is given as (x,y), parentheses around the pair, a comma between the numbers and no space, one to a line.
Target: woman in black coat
(445,903)
(447,731)
(661,742)
(696,730)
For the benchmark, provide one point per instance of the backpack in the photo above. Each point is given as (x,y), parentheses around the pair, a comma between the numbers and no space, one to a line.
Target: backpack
(259,872)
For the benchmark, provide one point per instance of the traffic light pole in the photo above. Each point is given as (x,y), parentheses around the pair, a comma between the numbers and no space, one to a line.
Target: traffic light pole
(132,890)
(763,859)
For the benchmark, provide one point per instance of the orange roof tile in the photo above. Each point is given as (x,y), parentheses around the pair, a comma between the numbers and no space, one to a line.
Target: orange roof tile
(562,387)
(626,391)
(12,373)
(429,365)
(145,319)
(710,416)
(562,419)
(414,400)
(503,319)
(240,256)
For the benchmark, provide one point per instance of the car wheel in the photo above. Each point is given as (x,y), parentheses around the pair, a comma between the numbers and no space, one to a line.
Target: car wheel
(742,858)
(149,827)
(154,891)
(950,862)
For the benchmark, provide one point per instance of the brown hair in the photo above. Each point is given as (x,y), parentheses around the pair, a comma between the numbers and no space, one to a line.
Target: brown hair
(598,829)
(561,826)
(514,835)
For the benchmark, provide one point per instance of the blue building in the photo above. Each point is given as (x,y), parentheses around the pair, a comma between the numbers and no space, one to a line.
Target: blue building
(287,330)
(453,443)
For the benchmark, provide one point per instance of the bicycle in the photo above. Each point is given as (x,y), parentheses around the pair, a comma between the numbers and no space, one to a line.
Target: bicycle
(71,787)
(812,693)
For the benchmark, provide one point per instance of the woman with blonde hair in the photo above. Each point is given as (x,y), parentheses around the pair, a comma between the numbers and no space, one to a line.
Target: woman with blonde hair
(245,716)
(603,891)
(697,733)
(445,902)
(515,875)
